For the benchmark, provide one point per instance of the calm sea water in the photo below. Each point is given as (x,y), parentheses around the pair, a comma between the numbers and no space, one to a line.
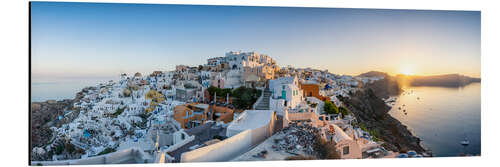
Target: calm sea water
(443,117)
(62,88)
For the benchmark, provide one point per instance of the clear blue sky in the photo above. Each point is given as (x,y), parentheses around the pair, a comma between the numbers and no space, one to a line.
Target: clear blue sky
(91,39)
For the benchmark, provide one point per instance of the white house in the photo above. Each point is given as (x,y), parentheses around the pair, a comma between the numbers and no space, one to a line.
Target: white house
(238,60)
(286,88)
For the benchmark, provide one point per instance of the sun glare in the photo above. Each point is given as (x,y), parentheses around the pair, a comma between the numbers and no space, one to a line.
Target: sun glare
(407,71)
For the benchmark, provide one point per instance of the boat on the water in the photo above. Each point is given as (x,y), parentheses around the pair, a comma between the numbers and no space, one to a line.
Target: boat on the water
(465,142)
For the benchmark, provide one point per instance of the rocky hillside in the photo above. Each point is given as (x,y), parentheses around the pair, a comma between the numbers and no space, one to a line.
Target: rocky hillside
(372,112)
(43,116)
(385,87)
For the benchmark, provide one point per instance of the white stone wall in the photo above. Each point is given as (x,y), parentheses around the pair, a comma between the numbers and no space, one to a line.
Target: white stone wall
(239,143)
(131,154)
(221,151)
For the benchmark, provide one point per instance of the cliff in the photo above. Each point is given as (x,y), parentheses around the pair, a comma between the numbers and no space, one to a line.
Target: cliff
(383,88)
(45,115)
(372,111)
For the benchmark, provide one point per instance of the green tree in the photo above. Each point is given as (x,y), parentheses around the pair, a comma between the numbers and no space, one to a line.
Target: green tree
(344,111)
(59,149)
(330,108)
(212,90)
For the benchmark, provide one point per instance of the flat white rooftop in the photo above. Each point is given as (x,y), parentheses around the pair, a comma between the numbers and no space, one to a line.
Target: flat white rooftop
(251,119)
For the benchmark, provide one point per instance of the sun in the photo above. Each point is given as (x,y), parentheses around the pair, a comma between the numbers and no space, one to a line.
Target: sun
(407,71)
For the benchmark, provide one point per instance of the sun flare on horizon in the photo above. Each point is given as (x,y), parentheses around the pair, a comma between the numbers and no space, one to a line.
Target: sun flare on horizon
(407,70)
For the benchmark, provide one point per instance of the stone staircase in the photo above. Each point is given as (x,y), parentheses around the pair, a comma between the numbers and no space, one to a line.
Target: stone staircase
(264,102)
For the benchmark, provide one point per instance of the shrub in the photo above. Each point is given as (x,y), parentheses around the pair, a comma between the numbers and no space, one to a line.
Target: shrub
(118,111)
(80,151)
(106,151)
(330,108)
(375,134)
(244,98)
(325,149)
(344,111)
(218,137)
(127,92)
(70,148)
(59,149)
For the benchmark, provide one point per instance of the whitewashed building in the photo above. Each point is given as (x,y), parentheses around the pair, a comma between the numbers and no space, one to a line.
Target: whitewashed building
(286,88)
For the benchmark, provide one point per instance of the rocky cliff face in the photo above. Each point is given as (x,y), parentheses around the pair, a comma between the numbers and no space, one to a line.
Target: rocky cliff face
(372,111)
(389,86)
(45,115)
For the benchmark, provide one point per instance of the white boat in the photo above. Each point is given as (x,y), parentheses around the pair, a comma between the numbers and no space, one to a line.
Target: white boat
(465,142)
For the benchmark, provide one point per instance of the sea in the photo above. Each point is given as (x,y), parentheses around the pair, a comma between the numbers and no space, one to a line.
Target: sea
(66,88)
(442,117)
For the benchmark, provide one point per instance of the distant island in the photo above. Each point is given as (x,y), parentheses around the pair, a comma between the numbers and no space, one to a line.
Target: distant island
(446,80)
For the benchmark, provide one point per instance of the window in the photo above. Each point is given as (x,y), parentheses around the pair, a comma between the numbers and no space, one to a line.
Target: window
(346,150)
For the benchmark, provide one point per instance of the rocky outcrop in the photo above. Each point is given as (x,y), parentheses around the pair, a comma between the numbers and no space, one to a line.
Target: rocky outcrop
(383,88)
(372,111)
(45,115)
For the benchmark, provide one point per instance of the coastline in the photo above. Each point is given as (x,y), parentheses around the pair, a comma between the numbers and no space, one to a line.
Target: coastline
(372,112)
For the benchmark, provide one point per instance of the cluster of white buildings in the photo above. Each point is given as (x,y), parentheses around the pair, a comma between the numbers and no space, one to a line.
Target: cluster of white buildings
(137,110)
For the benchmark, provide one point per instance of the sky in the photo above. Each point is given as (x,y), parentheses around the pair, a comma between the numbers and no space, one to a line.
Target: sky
(78,40)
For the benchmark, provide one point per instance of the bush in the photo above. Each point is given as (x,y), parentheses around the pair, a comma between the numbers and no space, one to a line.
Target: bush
(118,111)
(218,137)
(325,149)
(245,97)
(344,111)
(133,87)
(330,108)
(59,149)
(374,133)
(220,92)
(106,151)
(127,92)
(70,148)
(80,151)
